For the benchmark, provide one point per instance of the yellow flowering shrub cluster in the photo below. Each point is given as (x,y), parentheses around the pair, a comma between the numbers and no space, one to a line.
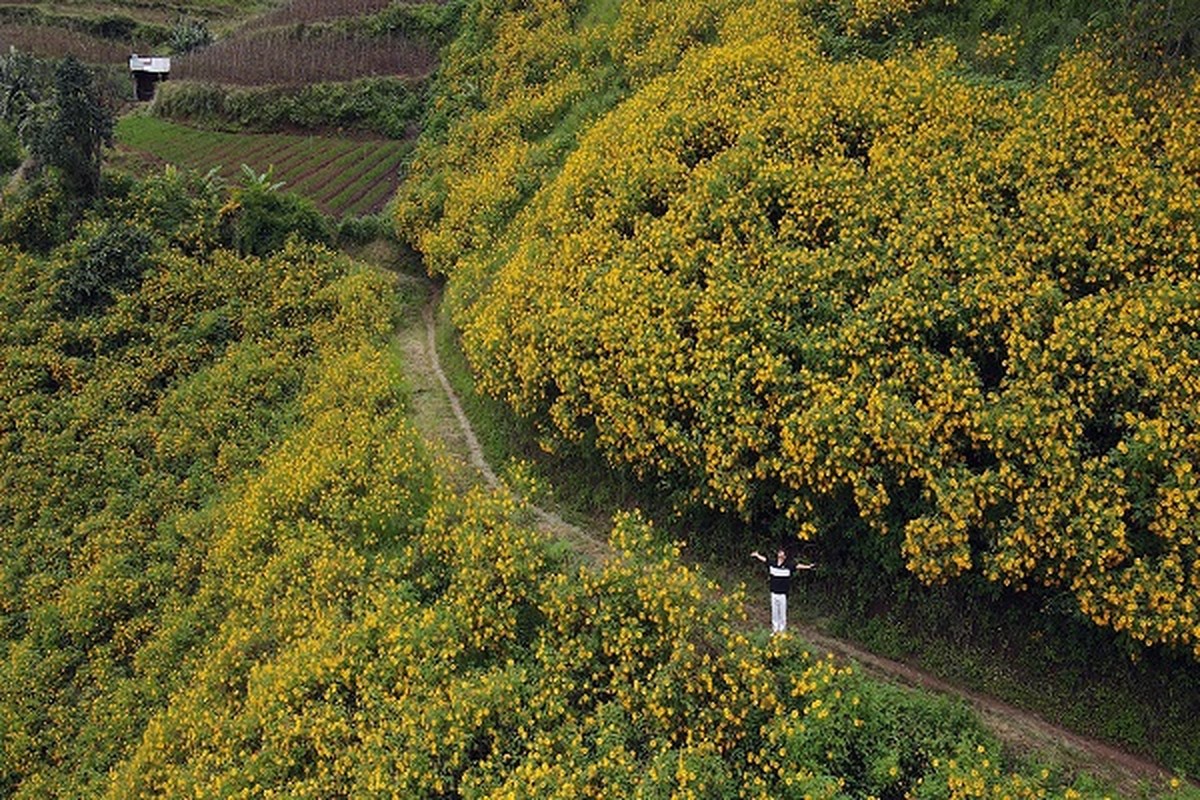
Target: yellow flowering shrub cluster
(120,424)
(232,569)
(875,17)
(465,658)
(964,312)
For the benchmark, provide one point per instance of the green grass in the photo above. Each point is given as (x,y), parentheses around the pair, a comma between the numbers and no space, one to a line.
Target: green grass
(341,176)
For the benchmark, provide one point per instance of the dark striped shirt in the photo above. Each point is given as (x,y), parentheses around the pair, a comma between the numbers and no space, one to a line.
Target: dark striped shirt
(781,578)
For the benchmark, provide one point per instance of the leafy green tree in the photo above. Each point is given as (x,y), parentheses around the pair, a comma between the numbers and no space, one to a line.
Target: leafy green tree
(76,128)
(22,81)
(109,259)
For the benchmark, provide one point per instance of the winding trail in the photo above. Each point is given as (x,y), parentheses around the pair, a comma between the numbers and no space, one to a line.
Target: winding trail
(439,415)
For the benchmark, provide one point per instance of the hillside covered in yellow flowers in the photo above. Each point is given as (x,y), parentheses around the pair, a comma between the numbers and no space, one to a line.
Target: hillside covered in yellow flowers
(232,568)
(817,264)
(811,263)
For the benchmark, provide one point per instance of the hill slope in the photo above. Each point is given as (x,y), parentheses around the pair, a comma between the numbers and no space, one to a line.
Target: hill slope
(843,297)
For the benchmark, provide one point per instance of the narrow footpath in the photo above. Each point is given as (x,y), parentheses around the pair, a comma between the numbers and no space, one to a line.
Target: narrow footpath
(439,415)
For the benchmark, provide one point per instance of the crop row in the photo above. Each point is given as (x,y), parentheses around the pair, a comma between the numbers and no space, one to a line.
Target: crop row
(341,176)
(303,12)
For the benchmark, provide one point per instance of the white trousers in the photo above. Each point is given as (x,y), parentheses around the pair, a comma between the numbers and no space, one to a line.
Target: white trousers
(778,612)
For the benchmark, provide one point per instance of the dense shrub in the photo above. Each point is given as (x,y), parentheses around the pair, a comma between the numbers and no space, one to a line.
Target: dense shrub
(363,230)
(260,218)
(388,106)
(807,290)
(11,154)
(188,34)
(105,259)
(119,428)
(434,22)
(37,215)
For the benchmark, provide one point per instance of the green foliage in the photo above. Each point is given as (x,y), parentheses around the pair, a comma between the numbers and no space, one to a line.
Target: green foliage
(387,106)
(1017,39)
(1155,32)
(103,259)
(114,26)
(24,82)
(230,567)
(181,208)
(11,152)
(752,281)
(433,22)
(363,230)
(38,215)
(119,428)
(343,175)
(75,131)
(188,34)
(190,100)
(529,107)
(262,218)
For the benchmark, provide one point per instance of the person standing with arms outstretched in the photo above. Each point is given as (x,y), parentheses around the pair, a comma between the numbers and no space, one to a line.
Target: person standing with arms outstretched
(781,583)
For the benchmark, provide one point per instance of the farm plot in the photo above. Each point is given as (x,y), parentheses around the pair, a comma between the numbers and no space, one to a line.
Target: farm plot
(282,57)
(343,177)
(45,41)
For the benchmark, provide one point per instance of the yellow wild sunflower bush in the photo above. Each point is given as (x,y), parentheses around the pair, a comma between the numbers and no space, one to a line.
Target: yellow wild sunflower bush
(232,569)
(963,312)
(125,411)
(466,658)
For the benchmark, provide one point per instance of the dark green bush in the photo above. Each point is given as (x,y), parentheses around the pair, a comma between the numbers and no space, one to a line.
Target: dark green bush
(264,218)
(10,149)
(111,260)
(363,230)
(436,22)
(387,106)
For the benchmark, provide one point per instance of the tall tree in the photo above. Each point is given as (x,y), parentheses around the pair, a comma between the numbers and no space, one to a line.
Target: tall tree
(75,130)
(22,78)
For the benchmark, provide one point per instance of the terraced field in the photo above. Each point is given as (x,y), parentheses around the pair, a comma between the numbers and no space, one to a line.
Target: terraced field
(343,177)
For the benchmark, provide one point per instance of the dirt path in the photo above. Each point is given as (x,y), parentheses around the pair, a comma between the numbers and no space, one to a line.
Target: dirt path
(439,415)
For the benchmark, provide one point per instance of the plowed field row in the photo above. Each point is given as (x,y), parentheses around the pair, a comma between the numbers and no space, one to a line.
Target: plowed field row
(343,177)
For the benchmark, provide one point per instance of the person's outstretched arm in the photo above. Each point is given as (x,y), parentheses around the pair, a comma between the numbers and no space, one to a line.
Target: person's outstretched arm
(759,556)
